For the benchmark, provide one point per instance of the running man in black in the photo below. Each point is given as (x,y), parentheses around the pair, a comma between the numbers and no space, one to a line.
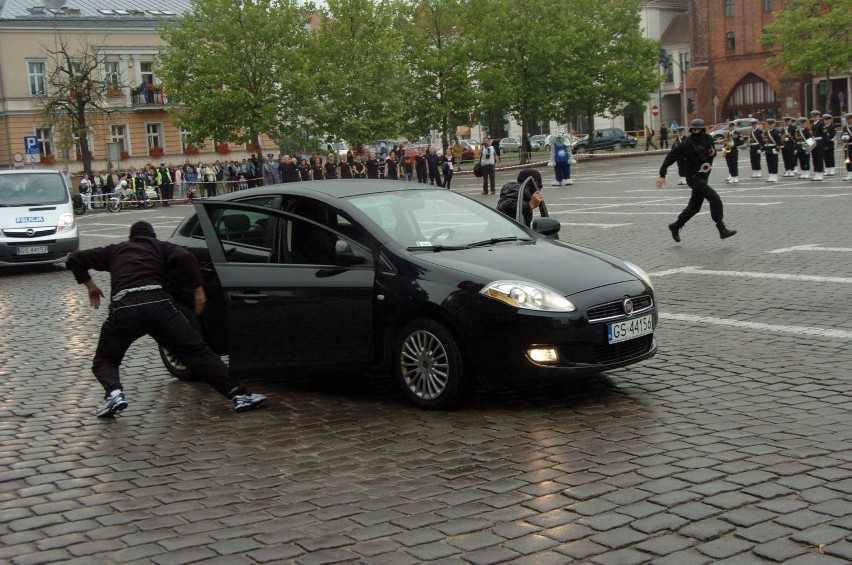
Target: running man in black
(696,153)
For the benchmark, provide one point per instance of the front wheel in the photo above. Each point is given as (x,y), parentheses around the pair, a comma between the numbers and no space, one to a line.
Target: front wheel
(114,205)
(616,147)
(580,150)
(429,365)
(148,203)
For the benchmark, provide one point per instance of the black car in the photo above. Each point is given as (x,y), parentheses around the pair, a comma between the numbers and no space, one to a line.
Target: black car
(427,284)
(613,139)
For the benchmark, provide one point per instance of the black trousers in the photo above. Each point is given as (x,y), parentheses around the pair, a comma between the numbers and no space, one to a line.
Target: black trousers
(789,156)
(804,160)
(153,313)
(772,160)
(733,166)
(488,177)
(435,177)
(829,154)
(167,191)
(701,191)
(818,156)
(422,176)
(754,154)
(448,178)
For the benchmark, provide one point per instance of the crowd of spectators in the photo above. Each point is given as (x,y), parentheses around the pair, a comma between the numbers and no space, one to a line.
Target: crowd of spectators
(206,179)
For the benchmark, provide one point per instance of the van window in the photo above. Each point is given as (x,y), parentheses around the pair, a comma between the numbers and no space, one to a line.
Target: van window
(27,189)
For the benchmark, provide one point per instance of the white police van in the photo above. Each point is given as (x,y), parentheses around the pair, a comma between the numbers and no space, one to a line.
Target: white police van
(37,223)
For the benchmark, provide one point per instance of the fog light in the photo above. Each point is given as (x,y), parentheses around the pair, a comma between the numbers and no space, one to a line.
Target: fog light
(543,355)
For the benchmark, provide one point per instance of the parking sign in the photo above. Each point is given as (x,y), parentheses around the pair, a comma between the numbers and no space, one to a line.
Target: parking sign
(31,145)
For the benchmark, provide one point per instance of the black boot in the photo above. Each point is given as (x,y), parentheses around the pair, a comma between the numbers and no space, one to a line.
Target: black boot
(725,232)
(675,229)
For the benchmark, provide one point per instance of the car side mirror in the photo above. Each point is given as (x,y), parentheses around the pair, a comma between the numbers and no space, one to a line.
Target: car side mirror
(343,254)
(546,226)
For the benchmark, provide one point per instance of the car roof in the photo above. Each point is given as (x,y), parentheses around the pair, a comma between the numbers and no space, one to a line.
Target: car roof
(340,188)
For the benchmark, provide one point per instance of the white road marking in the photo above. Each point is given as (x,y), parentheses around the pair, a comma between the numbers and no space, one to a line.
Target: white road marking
(811,247)
(696,270)
(605,226)
(798,330)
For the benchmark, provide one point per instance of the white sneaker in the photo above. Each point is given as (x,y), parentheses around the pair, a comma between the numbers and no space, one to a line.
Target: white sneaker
(772,178)
(556,183)
(805,176)
(112,404)
(817,177)
(829,172)
(728,180)
(735,180)
(848,176)
(755,175)
(569,182)
(682,181)
(243,402)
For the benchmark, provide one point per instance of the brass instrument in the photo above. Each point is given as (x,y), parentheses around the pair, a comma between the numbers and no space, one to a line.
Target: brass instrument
(729,143)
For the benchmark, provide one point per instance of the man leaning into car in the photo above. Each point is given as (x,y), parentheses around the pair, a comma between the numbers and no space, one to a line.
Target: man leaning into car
(140,306)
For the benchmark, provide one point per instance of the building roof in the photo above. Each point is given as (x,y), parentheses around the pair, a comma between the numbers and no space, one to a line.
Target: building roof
(110,10)
(677,30)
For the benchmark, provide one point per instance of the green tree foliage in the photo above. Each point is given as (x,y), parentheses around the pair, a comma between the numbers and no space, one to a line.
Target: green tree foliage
(812,37)
(237,69)
(520,46)
(357,71)
(609,64)
(438,60)
(76,96)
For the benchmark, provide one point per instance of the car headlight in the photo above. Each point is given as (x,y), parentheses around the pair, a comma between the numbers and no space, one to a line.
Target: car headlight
(640,273)
(66,222)
(527,295)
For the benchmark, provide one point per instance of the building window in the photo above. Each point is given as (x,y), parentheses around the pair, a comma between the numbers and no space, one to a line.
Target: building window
(37,74)
(684,61)
(78,149)
(146,69)
(184,141)
(155,136)
(118,134)
(768,5)
(45,140)
(729,41)
(670,73)
(729,8)
(112,75)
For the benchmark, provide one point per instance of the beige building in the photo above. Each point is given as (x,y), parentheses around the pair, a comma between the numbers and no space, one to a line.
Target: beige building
(125,35)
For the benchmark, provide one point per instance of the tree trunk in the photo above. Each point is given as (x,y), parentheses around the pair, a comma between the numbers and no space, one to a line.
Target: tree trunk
(255,139)
(83,135)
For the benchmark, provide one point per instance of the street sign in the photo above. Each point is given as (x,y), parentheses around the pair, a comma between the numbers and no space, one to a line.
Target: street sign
(31,145)
(32,159)
(18,157)
(655,110)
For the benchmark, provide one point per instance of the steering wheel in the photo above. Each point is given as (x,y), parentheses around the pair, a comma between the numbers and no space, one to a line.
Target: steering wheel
(448,232)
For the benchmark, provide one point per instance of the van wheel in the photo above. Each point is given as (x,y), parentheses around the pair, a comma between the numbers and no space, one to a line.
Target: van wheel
(616,147)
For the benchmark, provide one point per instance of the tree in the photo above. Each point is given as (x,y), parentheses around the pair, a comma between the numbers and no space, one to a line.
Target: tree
(76,95)
(815,35)
(515,72)
(609,64)
(440,90)
(360,91)
(237,69)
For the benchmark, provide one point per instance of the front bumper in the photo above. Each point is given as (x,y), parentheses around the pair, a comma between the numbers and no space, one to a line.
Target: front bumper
(58,250)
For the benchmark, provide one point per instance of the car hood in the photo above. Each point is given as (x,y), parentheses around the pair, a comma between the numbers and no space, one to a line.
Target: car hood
(565,268)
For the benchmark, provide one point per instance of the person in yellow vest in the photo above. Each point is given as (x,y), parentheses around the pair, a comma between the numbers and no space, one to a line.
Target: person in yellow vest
(457,155)
(165,180)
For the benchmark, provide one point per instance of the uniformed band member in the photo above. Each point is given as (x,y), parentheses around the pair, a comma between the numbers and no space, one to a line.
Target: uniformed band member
(803,133)
(788,152)
(139,269)
(755,147)
(846,138)
(773,142)
(818,152)
(680,137)
(830,134)
(697,153)
(733,139)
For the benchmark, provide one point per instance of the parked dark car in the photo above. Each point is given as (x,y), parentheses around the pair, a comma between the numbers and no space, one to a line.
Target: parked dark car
(432,286)
(613,139)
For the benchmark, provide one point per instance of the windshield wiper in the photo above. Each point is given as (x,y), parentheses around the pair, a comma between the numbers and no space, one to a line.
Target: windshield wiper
(436,248)
(494,240)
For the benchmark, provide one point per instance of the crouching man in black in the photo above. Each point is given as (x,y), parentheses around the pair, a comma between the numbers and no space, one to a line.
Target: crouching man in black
(696,153)
(508,203)
(138,270)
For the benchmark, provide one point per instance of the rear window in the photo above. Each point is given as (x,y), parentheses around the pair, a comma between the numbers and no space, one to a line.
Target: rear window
(29,189)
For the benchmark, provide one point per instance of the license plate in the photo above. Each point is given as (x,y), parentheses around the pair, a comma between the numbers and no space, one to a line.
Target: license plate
(32,250)
(630,329)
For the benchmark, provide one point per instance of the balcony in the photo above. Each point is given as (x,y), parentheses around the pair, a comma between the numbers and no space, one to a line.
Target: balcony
(148,98)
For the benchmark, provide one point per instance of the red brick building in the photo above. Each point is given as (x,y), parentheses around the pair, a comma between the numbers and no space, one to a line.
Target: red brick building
(729,76)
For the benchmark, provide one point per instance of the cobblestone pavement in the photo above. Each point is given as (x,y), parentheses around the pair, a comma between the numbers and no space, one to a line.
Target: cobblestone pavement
(732,445)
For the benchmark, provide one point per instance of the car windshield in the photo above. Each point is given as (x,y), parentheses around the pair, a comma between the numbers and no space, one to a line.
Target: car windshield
(26,189)
(437,219)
